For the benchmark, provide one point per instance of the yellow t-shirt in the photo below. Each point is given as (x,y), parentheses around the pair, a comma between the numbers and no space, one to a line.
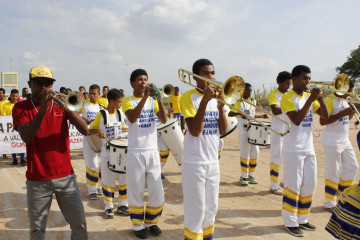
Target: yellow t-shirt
(103,101)
(336,133)
(175,101)
(245,108)
(300,138)
(7,108)
(201,150)
(274,98)
(90,109)
(1,106)
(142,133)
(108,129)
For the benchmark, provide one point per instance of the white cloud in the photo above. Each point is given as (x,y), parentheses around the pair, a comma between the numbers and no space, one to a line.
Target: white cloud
(180,20)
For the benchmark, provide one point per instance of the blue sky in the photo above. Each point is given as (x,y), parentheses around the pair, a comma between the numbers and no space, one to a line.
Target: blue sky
(87,42)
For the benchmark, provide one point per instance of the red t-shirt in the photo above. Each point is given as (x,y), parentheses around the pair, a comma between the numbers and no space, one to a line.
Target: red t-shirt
(48,155)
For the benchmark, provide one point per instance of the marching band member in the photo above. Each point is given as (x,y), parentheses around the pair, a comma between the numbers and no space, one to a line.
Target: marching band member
(249,153)
(345,220)
(107,130)
(341,164)
(143,163)
(205,122)
(89,111)
(43,126)
(283,80)
(175,103)
(103,100)
(298,151)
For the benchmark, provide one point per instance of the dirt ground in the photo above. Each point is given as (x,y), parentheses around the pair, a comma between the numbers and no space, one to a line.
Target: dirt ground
(249,212)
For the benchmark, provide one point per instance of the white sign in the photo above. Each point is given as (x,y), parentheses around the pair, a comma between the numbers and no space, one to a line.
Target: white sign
(10,141)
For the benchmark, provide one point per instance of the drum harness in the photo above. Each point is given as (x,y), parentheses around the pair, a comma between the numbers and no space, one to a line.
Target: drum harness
(105,115)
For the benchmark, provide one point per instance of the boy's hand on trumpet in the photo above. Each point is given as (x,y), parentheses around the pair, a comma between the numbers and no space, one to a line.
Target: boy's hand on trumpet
(47,95)
(316,94)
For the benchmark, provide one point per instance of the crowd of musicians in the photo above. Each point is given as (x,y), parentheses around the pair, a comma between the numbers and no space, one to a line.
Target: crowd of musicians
(129,124)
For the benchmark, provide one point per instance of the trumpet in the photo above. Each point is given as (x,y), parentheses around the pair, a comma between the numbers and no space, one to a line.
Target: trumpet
(167,91)
(73,102)
(233,89)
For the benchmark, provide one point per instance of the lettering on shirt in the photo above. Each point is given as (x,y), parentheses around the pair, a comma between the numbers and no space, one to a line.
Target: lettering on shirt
(91,115)
(211,123)
(146,117)
(307,120)
(344,120)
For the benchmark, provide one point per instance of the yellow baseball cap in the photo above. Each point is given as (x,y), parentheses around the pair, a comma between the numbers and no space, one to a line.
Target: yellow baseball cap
(41,72)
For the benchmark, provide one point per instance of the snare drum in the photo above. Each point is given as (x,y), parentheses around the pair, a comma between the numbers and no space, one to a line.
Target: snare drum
(117,155)
(258,134)
(231,122)
(173,137)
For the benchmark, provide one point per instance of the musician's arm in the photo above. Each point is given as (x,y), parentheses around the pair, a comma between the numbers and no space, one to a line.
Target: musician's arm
(162,114)
(133,114)
(275,109)
(29,130)
(222,119)
(76,120)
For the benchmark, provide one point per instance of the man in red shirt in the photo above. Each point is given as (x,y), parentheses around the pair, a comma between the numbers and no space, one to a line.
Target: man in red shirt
(42,125)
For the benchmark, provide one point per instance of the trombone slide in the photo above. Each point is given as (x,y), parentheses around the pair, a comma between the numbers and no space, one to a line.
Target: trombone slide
(287,124)
(233,89)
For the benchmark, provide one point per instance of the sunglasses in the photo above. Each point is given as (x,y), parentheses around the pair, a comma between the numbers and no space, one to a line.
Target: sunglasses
(45,82)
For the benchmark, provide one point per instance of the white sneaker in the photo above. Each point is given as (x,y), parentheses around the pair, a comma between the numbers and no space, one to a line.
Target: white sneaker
(277,191)
(109,213)
(243,181)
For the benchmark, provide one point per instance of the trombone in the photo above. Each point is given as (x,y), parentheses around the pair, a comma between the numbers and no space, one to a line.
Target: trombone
(232,89)
(341,84)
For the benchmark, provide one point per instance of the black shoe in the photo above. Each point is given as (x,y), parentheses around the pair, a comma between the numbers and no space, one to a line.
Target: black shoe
(295,231)
(22,162)
(142,234)
(14,163)
(155,230)
(307,226)
(162,176)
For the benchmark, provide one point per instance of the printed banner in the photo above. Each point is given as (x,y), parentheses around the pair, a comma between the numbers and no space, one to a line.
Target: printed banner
(10,141)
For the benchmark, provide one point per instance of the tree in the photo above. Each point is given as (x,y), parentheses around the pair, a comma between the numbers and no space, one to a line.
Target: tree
(352,65)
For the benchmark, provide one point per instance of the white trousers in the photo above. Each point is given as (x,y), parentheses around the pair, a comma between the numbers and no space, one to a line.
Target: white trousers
(163,150)
(200,191)
(341,167)
(299,187)
(221,146)
(109,178)
(249,155)
(92,160)
(143,169)
(275,159)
